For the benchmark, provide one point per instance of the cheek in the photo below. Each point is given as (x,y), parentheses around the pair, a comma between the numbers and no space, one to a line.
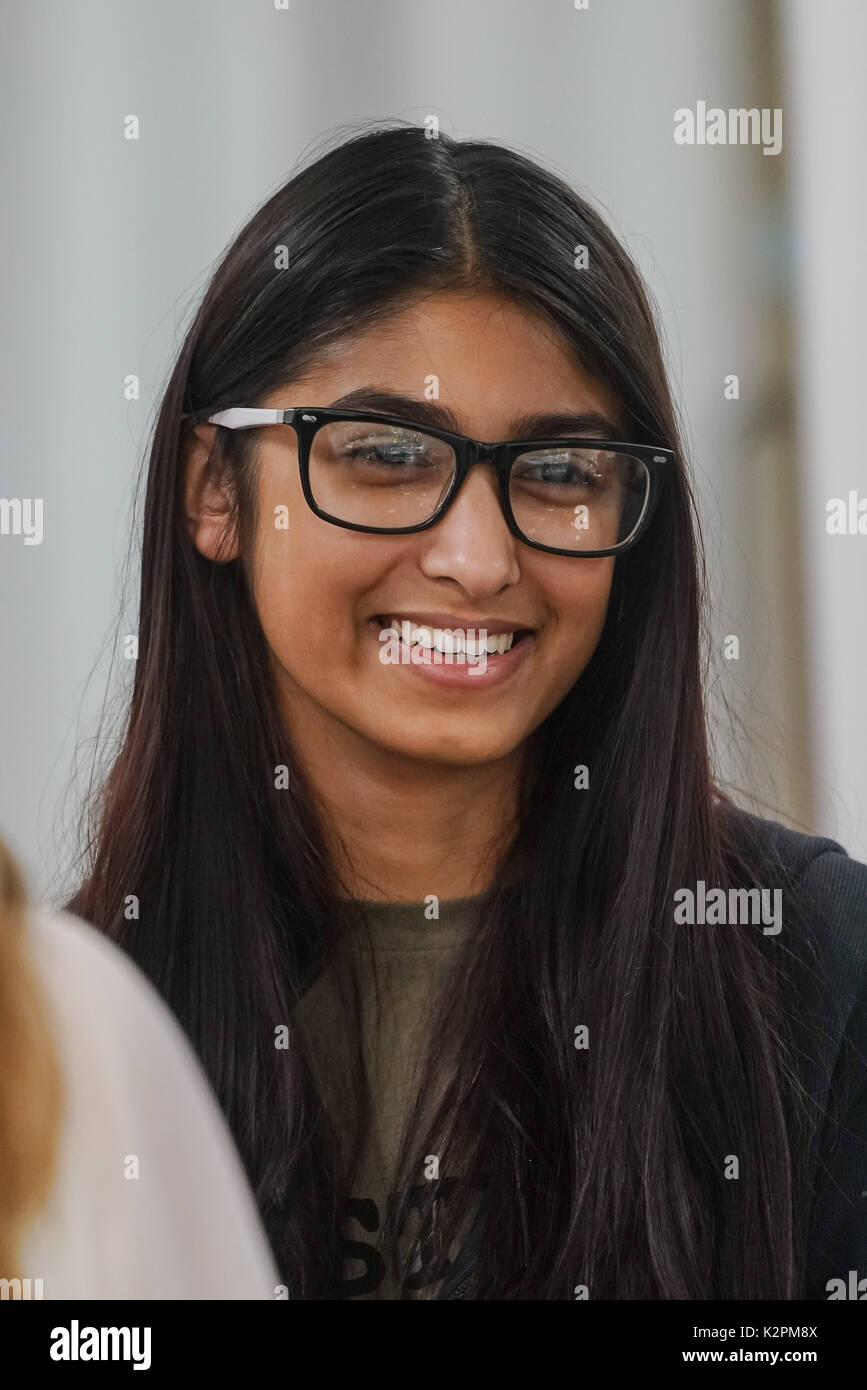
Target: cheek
(308,581)
(579,606)
(279,582)
(299,606)
(288,589)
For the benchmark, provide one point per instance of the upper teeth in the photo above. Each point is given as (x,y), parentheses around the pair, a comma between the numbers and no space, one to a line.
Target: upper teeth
(449,640)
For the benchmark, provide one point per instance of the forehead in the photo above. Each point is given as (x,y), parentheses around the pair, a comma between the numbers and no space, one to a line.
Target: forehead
(488,359)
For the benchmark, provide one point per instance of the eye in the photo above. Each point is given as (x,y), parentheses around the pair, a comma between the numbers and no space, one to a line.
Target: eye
(386,450)
(563,467)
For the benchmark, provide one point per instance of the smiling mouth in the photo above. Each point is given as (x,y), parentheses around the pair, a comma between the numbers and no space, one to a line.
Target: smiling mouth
(451,640)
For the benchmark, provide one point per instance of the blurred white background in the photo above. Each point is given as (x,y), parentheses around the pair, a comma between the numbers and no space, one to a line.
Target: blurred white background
(755,262)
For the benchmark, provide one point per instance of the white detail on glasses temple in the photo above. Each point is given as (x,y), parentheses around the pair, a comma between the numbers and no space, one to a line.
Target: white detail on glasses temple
(239,418)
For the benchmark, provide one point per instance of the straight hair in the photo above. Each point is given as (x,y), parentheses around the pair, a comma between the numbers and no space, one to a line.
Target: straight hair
(604,1167)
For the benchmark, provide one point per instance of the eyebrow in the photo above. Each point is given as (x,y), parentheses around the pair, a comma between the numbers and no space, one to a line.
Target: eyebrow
(535,426)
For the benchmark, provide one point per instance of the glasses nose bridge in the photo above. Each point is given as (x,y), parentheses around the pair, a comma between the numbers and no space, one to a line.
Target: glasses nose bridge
(479,451)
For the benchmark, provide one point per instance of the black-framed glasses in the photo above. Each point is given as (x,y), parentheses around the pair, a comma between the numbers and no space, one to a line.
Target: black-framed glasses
(385,475)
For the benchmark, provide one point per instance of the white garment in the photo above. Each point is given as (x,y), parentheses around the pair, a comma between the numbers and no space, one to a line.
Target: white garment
(187,1226)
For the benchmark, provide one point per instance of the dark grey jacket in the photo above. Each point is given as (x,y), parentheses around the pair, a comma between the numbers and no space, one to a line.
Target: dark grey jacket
(827,967)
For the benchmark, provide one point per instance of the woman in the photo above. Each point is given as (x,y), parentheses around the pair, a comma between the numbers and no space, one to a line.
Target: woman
(119,1178)
(426,919)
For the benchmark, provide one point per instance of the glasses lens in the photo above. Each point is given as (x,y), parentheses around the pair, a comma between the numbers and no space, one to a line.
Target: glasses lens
(371,474)
(574,498)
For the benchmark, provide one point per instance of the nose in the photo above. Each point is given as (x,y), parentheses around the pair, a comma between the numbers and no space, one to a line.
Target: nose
(472,543)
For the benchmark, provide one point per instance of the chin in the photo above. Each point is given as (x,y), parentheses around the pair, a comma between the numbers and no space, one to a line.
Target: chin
(458,750)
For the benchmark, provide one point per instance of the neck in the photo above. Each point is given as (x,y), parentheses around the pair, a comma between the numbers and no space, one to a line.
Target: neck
(401,830)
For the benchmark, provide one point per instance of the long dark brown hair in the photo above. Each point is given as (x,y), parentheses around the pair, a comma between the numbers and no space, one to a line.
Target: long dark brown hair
(606,1166)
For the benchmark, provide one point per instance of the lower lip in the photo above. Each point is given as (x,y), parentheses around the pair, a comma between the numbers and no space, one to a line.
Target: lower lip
(469,675)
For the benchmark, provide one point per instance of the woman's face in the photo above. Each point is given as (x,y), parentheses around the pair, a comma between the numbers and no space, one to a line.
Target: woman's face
(323,592)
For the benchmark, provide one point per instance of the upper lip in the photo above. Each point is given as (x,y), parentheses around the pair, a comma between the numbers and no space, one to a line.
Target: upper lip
(452,620)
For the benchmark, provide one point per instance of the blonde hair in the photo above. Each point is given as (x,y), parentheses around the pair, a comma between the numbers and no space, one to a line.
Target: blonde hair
(30,1077)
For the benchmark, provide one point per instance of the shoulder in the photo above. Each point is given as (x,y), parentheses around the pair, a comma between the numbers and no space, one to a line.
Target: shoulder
(79,964)
(825,901)
(794,850)
(824,941)
(108,1016)
(149,1198)
(820,953)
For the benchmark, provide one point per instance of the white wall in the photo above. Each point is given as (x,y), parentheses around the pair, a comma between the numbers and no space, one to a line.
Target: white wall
(108,242)
(825,87)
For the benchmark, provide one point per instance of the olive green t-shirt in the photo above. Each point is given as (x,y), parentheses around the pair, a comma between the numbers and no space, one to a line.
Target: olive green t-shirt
(411,949)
